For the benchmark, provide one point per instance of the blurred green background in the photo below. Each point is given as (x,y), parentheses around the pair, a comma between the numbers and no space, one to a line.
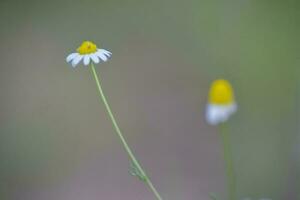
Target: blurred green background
(57,143)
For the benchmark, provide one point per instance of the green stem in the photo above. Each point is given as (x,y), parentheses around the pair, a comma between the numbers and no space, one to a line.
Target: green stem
(127,148)
(229,163)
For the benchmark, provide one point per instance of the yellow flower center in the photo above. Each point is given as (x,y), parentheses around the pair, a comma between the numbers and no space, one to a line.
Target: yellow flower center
(221,93)
(87,47)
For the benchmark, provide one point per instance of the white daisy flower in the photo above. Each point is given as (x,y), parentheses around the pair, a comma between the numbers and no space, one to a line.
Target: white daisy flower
(221,103)
(88,52)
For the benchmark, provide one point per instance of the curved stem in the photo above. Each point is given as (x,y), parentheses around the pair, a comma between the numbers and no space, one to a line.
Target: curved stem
(120,135)
(229,164)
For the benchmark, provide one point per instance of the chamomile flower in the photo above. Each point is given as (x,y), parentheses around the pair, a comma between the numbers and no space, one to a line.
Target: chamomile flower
(221,104)
(88,52)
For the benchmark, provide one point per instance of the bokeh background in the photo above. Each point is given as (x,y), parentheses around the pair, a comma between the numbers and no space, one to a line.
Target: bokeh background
(56,140)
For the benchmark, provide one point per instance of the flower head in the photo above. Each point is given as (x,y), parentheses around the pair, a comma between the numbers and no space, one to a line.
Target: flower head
(88,51)
(221,103)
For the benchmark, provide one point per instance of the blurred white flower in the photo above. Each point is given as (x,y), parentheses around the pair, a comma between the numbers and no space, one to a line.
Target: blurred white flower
(221,104)
(88,52)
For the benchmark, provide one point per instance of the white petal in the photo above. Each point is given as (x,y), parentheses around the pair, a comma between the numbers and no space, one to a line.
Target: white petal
(76,60)
(86,59)
(95,58)
(216,114)
(101,55)
(212,115)
(71,56)
(107,53)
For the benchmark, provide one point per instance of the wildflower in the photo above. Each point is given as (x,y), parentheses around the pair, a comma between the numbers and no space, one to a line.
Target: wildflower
(88,52)
(221,103)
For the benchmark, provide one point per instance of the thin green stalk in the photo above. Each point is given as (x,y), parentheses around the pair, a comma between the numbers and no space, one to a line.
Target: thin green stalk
(229,163)
(123,141)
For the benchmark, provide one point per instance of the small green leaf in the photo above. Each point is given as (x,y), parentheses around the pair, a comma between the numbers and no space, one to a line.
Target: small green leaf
(134,171)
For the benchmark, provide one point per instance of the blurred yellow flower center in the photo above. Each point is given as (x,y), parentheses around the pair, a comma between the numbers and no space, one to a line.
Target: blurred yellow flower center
(87,47)
(221,93)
